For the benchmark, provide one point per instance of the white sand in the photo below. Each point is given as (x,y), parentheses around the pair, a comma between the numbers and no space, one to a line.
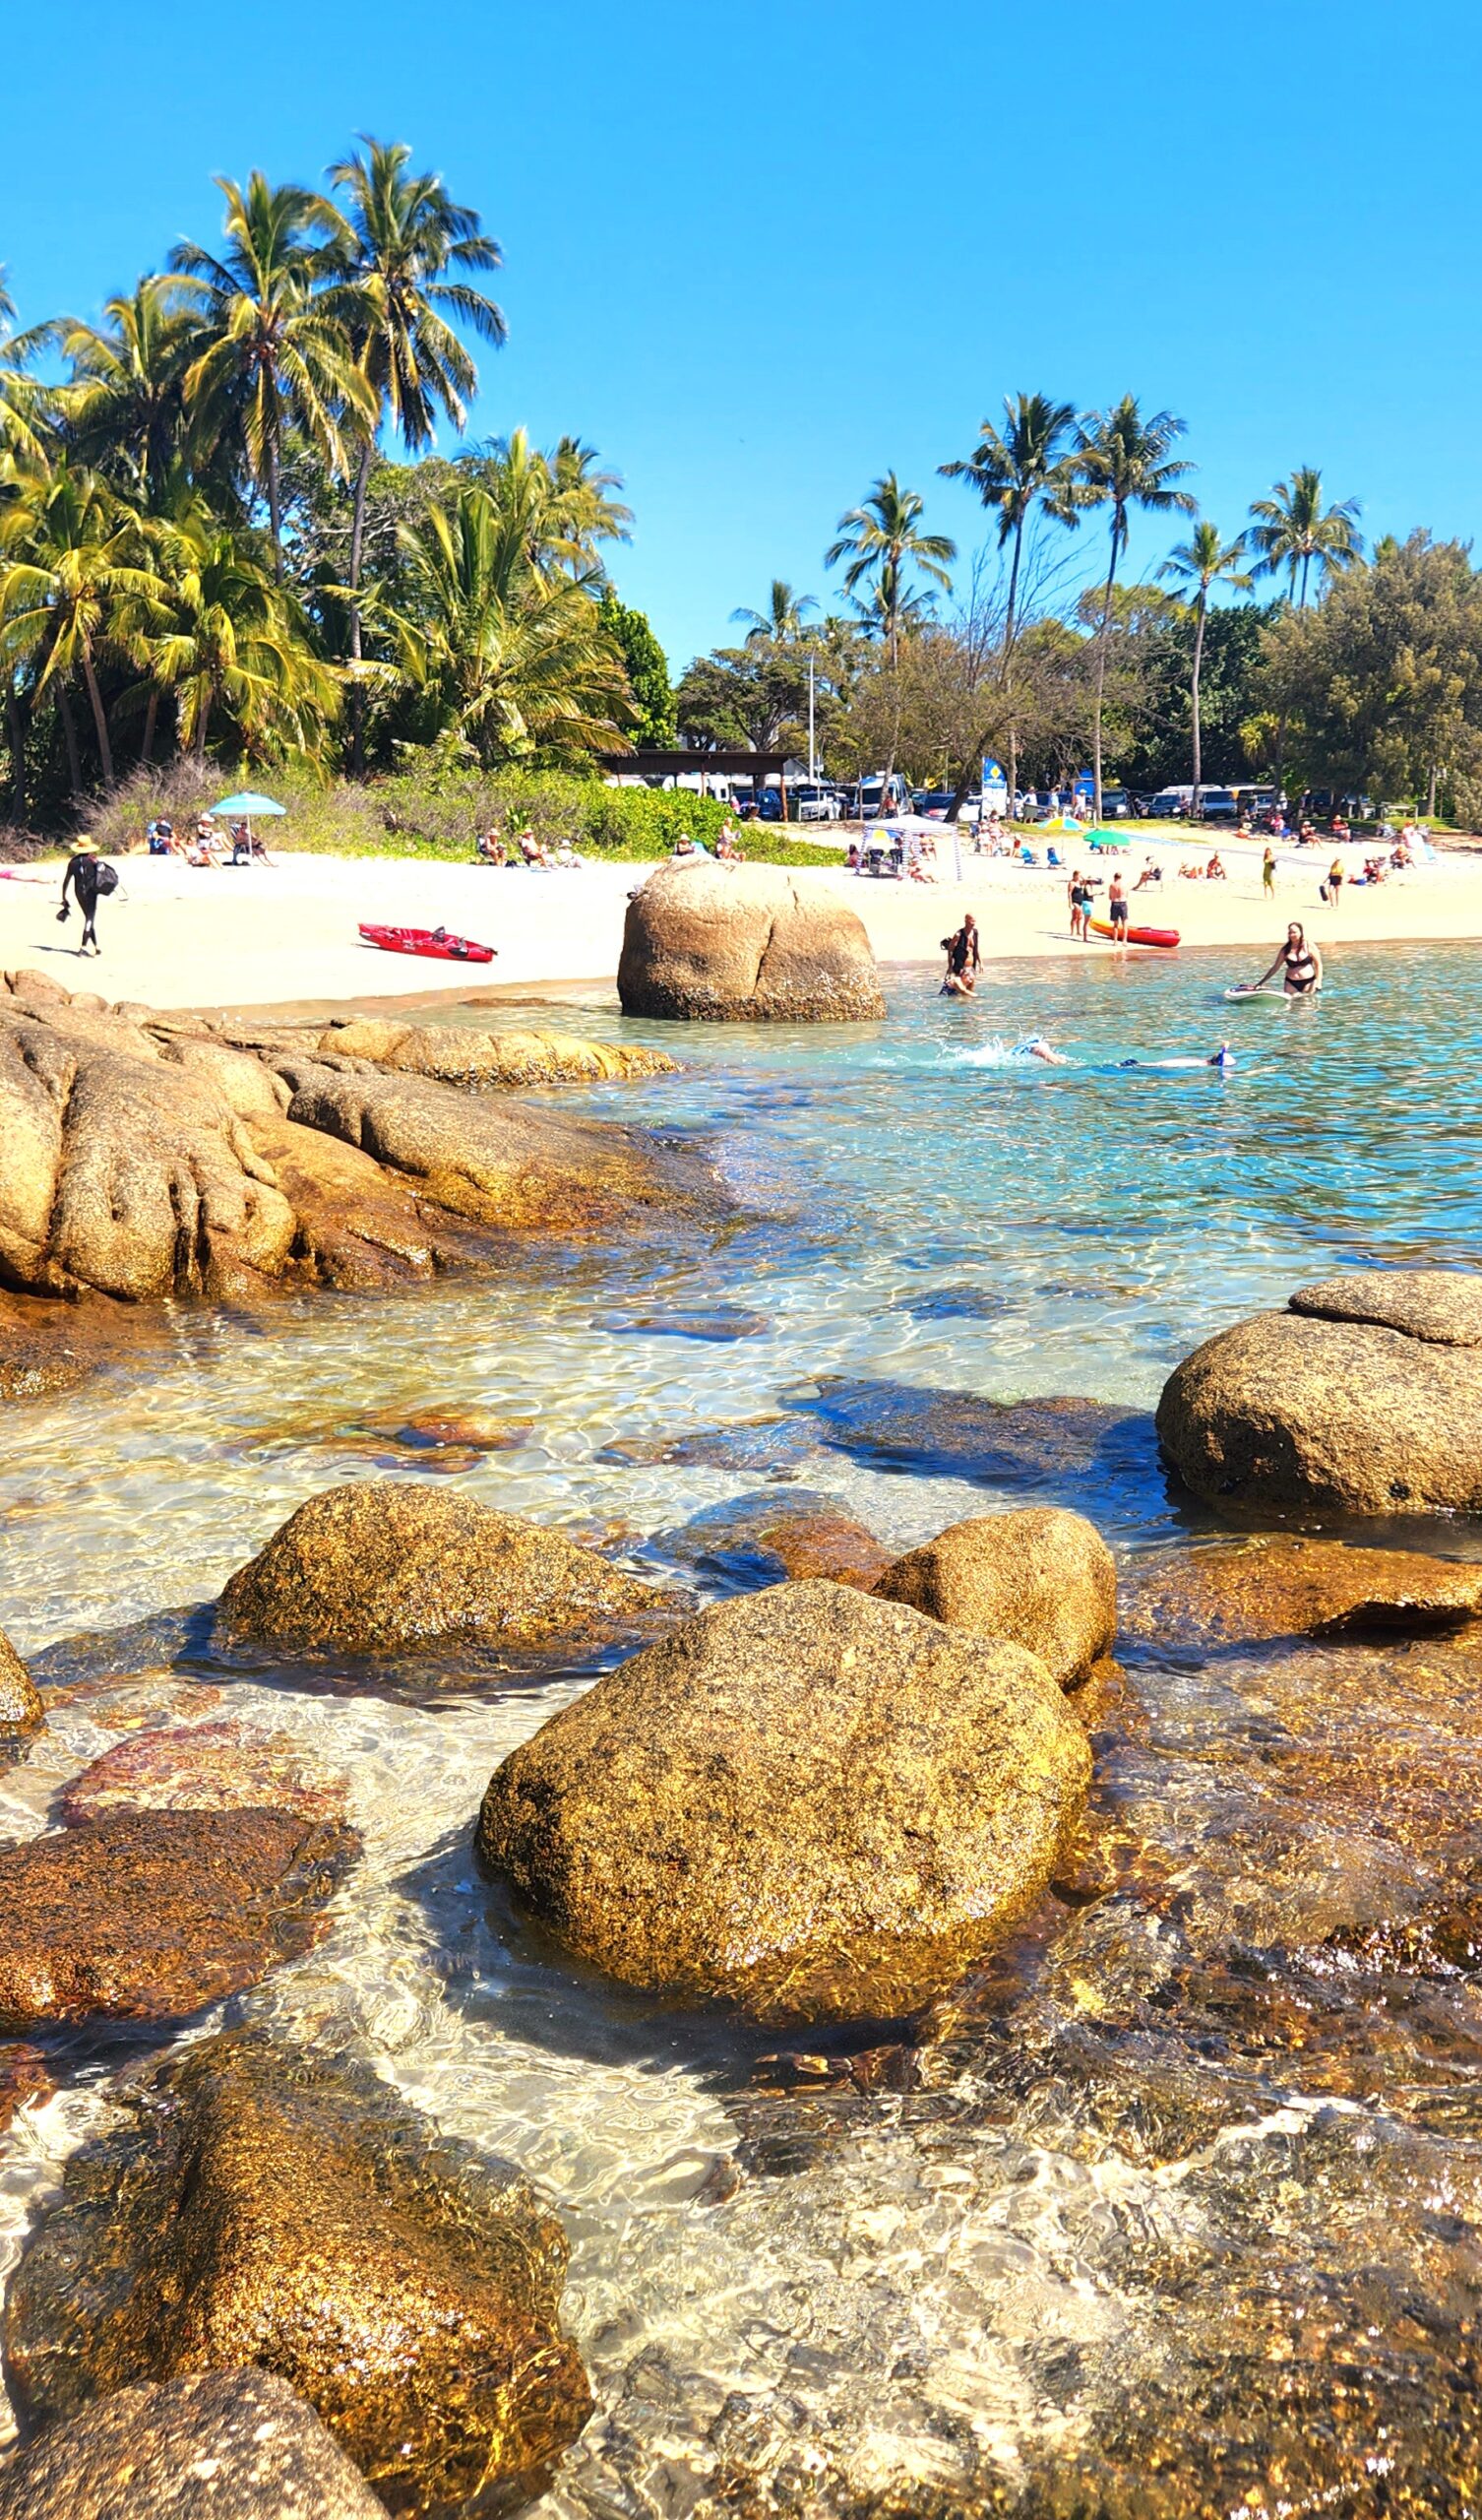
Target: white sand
(262,936)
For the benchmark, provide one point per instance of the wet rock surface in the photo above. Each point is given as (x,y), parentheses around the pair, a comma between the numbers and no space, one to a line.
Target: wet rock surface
(1072,1445)
(215,2446)
(1244,1591)
(1363,1397)
(145,1156)
(704,943)
(378,1566)
(149,1914)
(807,1802)
(206,1767)
(21,1708)
(775,1538)
(1042,1578)
(295,2214)
(461,1055)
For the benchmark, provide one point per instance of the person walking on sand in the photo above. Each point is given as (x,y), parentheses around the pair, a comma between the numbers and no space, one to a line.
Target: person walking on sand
(1331,891)
(1268,872)
(1117,911)
(85,878)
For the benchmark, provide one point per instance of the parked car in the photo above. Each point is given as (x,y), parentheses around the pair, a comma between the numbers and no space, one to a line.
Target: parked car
(770,806)
(1116,805)
(933,803)
(1170,804)
(811,802)
(872,797)
(1217,805)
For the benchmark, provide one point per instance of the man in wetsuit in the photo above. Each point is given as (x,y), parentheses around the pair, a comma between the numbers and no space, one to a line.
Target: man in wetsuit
(81,878)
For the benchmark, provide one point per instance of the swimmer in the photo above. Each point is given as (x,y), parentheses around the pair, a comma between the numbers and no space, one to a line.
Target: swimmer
(1223,1057)
(1035,1046)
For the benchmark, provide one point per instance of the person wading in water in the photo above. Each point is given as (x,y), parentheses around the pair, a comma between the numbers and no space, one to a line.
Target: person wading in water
(87,878)
(964,960)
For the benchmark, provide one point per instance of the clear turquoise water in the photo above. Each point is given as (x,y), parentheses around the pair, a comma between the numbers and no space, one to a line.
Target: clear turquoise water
(918,1209)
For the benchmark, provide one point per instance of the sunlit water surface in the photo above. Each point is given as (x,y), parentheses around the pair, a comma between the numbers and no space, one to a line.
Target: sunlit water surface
(964,2283)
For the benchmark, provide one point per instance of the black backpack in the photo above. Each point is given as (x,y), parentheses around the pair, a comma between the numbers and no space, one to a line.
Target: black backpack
(107,878)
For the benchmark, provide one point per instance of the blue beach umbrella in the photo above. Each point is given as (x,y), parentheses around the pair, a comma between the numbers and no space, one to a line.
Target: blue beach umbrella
(247,803)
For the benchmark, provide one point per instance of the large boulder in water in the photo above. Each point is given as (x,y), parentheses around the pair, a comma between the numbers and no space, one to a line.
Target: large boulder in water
(1042,1578)
(1240,1592)
(295,2212)
(715,944)
(215,2445)
(805,1801)
(1363,1397)
(378,1565)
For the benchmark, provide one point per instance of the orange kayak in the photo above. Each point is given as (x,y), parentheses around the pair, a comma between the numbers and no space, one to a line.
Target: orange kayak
(1136,935)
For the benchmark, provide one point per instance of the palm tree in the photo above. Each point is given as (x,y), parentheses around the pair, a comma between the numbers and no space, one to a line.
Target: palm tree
(275,356)
(25,412)
(70,550)
(217,633)
(1295,532)
(1123,461)
(515,654)
(1206,560)
(1028,462)
(407,249)
(584,510)
(125,404)
(882,540)
(783,622)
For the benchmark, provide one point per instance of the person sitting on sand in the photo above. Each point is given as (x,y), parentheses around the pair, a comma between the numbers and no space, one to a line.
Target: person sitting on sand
(688,849)
(919,871)
(1151,875)
(490,851)
(1214,872)
(566,855)
(533,852)
(853,859)
(1191,874)
(1339,827)
(727,849)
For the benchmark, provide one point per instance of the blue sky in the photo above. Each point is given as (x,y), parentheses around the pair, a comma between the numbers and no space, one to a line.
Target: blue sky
(760,254)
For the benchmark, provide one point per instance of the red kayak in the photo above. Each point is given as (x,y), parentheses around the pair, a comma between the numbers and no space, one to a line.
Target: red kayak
(1136,935)
(434,943)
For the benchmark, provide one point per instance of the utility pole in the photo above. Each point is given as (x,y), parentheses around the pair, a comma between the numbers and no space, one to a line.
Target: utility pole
(811,751)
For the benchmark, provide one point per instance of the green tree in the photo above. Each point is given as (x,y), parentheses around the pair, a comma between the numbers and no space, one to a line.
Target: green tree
(1206,560)
(273,355)
(124,406)
(407,254)
(514,659)
(70,551)
(216,633)
(648,670)
(881,541)
(751,699)
(25,412)
(1125,462)
(782,620)
(1294,532)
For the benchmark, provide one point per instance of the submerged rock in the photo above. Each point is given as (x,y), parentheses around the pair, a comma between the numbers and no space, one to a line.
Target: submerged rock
(380,1565)
(1055,1441)
(146,1916)
(206,1767)
(215,2445)
(462,1056)
(1042,1578)
(1243,1591)
(273,2208)
(774,1444)
(775,1538)
(715,944)
(807,1801)
(1364,1396)
(21,1709)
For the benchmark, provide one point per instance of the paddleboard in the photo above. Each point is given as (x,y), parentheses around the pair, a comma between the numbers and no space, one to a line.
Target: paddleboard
(1268,996)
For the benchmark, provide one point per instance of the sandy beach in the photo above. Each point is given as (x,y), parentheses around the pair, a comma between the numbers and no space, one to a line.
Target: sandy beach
(286,933)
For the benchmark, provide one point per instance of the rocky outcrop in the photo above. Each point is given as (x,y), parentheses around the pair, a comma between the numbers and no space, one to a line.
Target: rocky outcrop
(1042,1578)
(712,944)
(146,1916)
(378,1567)
(1244,1591)
(1365,1396)
(462,1056)
(215,2445)
(270,2209)
(205,1767)
(145,1156)
(807,1801)
(21,1709)
(775,1538)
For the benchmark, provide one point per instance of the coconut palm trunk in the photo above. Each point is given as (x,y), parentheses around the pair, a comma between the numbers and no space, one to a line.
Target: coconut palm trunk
(357,555)
(16,724)
(69,737)
(1106,605)
(99,716)
(1198,659)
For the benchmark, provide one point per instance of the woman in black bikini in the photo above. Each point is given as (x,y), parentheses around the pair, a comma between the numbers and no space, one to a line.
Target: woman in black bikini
(1303,965)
